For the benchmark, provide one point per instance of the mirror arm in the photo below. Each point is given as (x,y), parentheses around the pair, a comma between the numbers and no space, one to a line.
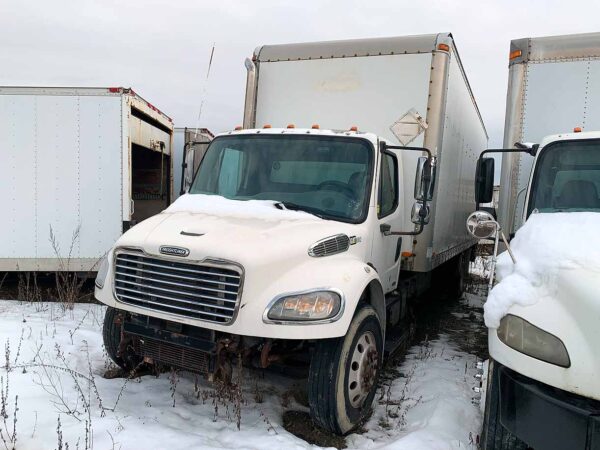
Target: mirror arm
(520,148)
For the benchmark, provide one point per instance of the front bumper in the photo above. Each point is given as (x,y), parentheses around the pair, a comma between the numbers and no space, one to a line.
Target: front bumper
(545,417)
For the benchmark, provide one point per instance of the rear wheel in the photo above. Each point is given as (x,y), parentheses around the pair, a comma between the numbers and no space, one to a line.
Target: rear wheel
(494,436)
(344,372)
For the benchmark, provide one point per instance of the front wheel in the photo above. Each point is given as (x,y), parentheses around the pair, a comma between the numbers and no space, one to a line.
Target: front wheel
(121,353)
(344,373)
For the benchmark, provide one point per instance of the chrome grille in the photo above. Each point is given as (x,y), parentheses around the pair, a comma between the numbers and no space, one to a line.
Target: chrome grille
(330,246)
(198,291)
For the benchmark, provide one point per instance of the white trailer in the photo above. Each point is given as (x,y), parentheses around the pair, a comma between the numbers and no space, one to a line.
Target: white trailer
(553,87)
(191,144)
(309,243)
(81,163)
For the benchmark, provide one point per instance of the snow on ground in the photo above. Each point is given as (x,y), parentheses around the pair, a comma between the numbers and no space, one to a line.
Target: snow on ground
(540,254)
(54,362)
(215,205)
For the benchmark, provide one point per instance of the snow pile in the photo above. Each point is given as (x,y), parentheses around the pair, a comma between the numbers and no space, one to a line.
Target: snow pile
(216,205)
(545,245)
(56,361)
(429,406)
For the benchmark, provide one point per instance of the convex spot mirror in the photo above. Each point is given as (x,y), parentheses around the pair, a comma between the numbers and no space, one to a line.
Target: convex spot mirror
(423,192)
(415,215)
(484,180)
(481,224)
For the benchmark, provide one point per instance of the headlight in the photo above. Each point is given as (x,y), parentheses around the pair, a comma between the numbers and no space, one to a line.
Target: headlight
(526,338)
(102,272)
(305,306)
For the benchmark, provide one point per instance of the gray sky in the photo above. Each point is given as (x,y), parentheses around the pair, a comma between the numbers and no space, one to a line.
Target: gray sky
(161,48)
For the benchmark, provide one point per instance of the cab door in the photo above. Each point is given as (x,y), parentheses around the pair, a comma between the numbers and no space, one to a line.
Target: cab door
(385,251)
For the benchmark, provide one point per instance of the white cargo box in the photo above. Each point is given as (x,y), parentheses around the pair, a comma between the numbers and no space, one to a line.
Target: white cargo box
(410,90)
(553,87)
(81,163)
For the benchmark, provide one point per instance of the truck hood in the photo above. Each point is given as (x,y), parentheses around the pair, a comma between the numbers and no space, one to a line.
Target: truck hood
(249,241)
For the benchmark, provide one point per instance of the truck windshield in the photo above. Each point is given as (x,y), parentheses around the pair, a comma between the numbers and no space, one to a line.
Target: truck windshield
(325,175)
(567,178)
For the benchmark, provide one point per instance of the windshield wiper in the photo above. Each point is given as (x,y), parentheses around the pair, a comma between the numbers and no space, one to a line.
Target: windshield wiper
(296,207)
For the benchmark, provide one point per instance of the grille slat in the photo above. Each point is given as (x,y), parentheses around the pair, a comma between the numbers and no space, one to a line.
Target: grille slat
(174,266)
(180,300)
(181,285)
(207,292)
(179,277)
(171,307)
(173,291)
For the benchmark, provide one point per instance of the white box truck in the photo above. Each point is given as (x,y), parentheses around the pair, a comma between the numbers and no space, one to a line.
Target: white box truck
(541,386)
(304,235)
(84,163)
(553,87)
(189,146)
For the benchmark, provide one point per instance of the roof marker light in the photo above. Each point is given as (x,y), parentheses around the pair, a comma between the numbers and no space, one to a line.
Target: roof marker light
(238,128)
(443,47)
(514,54)
(315,126)
(577,130)
(114,89)
(291,125)
(354,128)
(266,125)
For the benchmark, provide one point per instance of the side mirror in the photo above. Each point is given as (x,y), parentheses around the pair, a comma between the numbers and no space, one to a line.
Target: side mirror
(424,179)
(481,225)
(188,170)
(484,180)
(415,215)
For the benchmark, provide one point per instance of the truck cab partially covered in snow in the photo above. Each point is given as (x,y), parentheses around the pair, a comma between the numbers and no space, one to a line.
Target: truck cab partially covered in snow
(542,388)
(304,246)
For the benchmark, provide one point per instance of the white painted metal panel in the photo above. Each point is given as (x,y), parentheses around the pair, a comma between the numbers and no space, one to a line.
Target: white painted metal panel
(101,175)
(369,92)
(558,95)
(18,159)
(464,138)
(61,169)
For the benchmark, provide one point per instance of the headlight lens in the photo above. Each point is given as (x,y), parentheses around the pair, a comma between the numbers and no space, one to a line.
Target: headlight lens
(317,305)
(526,338)
(102,272)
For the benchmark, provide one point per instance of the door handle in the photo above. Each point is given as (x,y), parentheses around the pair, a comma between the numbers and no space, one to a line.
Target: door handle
(385,228)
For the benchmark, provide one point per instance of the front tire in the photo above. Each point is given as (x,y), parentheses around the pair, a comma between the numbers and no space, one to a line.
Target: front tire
(344,372)
(112,336)
(494,436)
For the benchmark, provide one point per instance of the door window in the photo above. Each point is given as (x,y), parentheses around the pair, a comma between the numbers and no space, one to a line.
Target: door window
(388,185)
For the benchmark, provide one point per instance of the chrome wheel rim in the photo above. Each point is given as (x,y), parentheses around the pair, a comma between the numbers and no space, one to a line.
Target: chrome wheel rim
(363,369)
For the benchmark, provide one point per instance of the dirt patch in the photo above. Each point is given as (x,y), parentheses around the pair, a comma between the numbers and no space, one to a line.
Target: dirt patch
(300,424)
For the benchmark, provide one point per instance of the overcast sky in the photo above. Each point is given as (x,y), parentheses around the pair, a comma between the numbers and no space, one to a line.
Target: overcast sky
(161,48)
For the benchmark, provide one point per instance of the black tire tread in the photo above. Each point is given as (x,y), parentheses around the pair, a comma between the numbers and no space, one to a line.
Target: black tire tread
(111,335)
(322,382)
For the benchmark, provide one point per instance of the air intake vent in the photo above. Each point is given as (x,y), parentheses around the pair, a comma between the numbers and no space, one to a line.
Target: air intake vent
(330,246)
